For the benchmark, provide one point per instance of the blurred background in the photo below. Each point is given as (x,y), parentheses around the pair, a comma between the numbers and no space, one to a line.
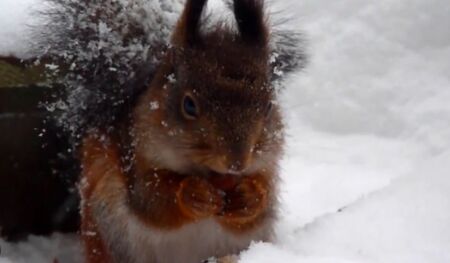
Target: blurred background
(366,175)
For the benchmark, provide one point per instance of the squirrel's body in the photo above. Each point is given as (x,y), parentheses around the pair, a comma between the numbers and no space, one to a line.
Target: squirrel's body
(189,171)
(116,231)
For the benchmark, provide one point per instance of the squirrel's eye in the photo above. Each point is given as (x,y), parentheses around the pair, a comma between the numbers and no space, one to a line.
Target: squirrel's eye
(268,109)
(190,109)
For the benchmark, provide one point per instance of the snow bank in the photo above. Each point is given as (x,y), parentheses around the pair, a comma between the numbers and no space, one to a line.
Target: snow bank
(405,222)
(365,178)
(15,19)
(63,248)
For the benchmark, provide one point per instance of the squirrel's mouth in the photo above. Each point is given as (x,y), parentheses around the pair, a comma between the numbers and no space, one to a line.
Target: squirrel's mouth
(225,171)
(231,163)
(223,168)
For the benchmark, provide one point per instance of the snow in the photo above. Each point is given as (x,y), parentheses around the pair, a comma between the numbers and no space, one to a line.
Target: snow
(64,248)
(366,171)
(405,222)
(15,20)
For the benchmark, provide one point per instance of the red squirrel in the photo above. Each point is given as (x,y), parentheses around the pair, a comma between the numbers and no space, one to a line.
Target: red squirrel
(205,139)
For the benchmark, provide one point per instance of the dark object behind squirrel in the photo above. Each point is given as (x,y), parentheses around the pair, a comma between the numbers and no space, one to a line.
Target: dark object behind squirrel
(37,174)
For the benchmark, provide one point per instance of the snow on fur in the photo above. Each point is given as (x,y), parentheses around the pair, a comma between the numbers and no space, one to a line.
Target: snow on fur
(109,50)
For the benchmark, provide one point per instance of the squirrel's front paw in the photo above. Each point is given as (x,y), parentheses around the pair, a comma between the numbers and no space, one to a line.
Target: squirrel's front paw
(197,198)
(246,202)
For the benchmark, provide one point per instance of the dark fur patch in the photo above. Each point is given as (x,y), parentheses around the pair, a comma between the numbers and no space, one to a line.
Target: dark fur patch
(192,15)
(251,21)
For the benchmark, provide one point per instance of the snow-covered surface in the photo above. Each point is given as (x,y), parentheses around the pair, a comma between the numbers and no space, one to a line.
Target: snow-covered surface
(366,176)
(15,21)
(63,248)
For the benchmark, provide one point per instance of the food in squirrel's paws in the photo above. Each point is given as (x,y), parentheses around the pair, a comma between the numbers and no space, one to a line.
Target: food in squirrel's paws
(198,198)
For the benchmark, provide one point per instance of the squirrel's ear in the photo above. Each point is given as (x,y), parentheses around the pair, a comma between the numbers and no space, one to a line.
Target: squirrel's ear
(251,21)
(187,30)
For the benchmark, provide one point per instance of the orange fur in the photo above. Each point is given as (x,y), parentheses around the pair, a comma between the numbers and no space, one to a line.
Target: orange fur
(98,161)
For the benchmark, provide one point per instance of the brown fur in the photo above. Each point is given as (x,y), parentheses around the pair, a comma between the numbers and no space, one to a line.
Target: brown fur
(219,166)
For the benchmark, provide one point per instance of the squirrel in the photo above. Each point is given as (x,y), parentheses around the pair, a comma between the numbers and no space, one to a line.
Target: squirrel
(185,167)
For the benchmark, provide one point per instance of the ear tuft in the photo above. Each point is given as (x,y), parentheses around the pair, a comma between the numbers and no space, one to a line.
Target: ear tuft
(251,21)
(187,32)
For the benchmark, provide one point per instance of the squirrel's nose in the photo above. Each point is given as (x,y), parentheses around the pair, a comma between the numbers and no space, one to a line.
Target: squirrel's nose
(239,155)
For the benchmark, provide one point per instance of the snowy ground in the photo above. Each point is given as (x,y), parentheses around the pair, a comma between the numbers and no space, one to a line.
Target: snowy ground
(367,170)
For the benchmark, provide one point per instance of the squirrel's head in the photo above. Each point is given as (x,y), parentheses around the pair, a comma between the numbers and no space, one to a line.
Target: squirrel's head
(211,106)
